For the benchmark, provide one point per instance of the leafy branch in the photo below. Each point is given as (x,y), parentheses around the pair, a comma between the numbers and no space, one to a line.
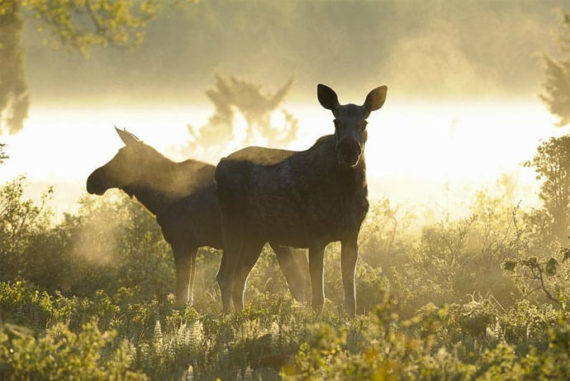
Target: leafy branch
(537,271)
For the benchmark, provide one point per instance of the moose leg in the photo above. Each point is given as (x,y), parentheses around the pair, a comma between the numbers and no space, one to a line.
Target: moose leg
(348,257)
(193,253)
(233,244)
(223,281)
(248,257)
(292,269)
(182,262)
(317,276)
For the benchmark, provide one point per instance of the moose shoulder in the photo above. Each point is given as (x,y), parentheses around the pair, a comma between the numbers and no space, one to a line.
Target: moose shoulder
(303,199)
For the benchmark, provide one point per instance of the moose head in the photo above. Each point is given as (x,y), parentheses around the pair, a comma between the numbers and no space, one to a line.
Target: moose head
(123,169)
(350,122)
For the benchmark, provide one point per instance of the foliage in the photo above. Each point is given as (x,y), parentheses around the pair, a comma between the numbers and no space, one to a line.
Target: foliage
(552,166)
(87,23)
(435,344)
(385,234)
(456,261)
(73,24)
(63,354)
(20,222)
(549,276)
(89,296)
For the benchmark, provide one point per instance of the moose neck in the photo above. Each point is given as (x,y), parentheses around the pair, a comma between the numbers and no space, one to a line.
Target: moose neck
(354,179)
(152,199)
(161,186)
(351,179)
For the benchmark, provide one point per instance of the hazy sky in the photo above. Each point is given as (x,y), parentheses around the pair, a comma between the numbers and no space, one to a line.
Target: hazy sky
(420,49)
(462,107)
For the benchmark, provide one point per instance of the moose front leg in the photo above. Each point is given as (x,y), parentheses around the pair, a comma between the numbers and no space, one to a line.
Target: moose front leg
(348,257)
(317,277)
(183,264)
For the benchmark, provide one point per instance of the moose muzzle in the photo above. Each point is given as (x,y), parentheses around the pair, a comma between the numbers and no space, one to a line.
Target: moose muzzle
(348,152)
(95,185)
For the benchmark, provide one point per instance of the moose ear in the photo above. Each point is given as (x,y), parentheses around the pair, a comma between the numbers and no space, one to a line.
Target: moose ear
(127,137)
(327,97)
(375,99)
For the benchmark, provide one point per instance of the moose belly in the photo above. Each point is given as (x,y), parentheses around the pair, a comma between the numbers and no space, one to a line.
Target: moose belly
(291,203)
(304,223)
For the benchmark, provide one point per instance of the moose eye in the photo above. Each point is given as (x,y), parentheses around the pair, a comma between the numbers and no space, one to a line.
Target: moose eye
(335,123)
(363,125)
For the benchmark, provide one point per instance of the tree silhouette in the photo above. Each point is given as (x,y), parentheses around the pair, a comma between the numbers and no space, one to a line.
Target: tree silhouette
(74,25)
(231,96)
(552,165)
(556,93)
(14,99)
(552,159)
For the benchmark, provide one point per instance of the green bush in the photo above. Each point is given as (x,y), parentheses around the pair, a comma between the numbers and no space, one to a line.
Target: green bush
(62,354)
(89,296)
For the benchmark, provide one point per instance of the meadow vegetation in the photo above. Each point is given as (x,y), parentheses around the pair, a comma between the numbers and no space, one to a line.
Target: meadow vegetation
(88,295)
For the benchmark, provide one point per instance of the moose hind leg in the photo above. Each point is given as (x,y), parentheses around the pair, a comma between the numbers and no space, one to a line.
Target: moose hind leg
(249,256)
(224,281)
(293,269)
(233,245)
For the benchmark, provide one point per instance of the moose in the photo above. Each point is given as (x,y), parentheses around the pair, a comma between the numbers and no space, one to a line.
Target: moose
(303,199)
(182,197)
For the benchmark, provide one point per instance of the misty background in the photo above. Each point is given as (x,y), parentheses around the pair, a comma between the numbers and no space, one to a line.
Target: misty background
(462,108)
(423,49)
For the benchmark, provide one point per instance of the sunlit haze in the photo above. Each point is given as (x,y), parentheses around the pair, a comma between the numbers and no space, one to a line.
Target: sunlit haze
(284,190)
(418,153)
(462,106)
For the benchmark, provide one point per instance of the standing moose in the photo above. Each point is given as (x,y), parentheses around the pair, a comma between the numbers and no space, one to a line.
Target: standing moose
(183,198)
(302,199)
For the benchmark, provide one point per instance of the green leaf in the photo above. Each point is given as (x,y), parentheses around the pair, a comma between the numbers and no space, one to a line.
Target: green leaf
(509,265)
(551,266)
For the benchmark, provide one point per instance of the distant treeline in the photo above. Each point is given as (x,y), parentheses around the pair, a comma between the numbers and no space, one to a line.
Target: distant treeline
(460,49)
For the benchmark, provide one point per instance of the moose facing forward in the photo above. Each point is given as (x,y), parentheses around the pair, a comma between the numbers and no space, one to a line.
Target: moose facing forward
(303,199)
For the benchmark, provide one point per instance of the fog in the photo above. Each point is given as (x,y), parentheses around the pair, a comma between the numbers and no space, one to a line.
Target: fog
(428,49)
(462,106)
